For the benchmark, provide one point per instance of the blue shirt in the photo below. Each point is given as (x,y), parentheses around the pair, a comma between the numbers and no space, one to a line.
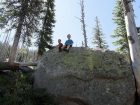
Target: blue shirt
(69,41)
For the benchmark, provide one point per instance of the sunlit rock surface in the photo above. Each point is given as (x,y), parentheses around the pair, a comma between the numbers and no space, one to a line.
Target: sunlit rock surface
(84,76)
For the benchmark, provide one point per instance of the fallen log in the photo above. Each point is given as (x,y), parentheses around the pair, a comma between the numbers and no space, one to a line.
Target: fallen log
(9,66)
(28,64)
(15,66)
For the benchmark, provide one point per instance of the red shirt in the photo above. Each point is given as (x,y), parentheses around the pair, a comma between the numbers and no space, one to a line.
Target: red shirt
(60,44)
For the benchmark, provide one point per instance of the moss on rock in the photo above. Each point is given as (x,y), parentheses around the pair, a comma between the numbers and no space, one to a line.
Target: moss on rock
(98,77)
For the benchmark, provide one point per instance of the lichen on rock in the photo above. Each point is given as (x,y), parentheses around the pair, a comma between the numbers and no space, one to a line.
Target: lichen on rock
(95,77)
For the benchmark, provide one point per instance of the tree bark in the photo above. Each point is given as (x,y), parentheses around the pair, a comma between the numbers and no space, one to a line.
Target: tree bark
(28,64)
(9,66)
(15,66)
(16,41)
(133,41)
(12,56)
(83,22)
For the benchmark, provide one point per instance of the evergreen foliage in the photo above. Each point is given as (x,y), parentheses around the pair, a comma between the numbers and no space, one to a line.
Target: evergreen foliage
(23,16)
(120,31)
(26,55)
(21,13)
(17,89)
(45,34)
(23,55)
(98,38)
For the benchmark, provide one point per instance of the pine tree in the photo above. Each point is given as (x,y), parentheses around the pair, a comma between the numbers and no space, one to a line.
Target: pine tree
(120,31)
(45,35)
(98,38)
(22,16)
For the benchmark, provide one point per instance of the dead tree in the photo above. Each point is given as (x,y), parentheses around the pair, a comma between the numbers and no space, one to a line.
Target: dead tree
(133,41)
(4,48)
(82,20)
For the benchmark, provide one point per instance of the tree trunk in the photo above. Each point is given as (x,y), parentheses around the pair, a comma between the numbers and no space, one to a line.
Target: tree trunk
(8,66)
(15,66)
(28,64)
(83,22)
(38,57)
(133,41)
(16,41)
(22,14)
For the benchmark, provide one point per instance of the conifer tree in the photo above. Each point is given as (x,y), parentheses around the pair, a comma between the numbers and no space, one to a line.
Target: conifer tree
(44,39)
(98,38)
(120,31)
(23,17)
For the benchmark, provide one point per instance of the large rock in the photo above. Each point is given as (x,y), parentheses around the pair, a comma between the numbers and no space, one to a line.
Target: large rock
(86,77)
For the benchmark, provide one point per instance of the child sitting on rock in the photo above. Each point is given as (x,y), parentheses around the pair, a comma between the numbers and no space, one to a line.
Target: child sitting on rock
(59,45)
(68,43)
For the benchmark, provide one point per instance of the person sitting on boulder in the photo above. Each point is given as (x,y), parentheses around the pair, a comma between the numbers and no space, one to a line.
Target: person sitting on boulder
(68,43)
(59,45)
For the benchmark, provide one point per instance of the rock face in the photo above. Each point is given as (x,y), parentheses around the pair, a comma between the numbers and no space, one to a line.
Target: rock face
(84,76)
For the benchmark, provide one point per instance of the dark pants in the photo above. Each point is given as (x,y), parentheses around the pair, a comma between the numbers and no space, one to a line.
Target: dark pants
(60,48)
(67,45)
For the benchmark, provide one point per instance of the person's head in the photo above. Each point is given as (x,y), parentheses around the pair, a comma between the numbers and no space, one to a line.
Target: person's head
(68,36)
(59,40)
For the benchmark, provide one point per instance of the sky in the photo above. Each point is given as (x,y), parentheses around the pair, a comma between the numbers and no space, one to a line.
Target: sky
(67,23)
(67,12)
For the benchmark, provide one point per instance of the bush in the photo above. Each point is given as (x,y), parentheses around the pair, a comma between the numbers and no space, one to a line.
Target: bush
(16,89)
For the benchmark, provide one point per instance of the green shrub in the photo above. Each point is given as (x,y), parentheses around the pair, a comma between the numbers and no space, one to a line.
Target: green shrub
(16,89)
